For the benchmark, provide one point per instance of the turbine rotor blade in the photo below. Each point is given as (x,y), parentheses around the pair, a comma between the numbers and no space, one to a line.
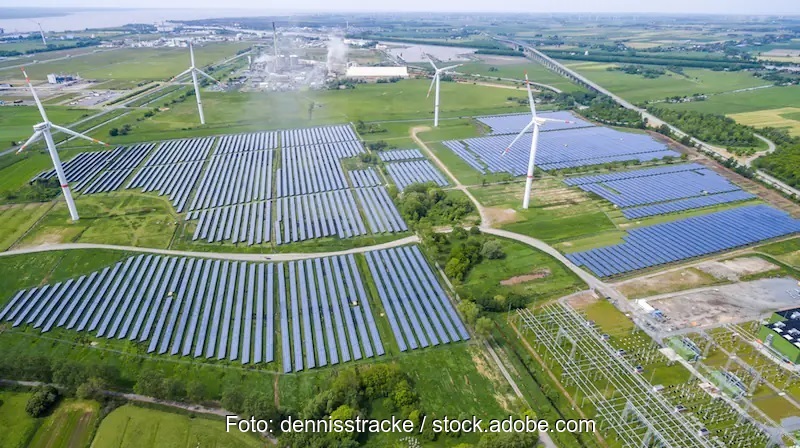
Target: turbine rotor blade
(450,68)
(35,96)
(431,61)
(191,53)
(433,81)
(530,96)
(75,134)
(207,75)
(542,120)
(181,74)
(36,136)
(518,136)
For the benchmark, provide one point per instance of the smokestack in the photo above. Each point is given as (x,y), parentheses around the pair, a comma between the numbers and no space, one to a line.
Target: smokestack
(274,40)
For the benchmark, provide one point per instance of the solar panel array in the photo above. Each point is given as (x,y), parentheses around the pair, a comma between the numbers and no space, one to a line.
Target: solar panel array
(365,178)
(81,168)
(687,238)
(514,123)
(315,168)
(416,171)
(247,142)
(125,161)
(318,135)
(662,190)
(400,154)
(227,310)
(235,178)
(325,294)
(382,215)
(561,149)
(185,150)
(417,307)
(248,223)
(310,216)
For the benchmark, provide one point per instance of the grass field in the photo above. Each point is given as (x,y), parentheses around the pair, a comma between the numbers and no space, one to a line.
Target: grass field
(556,214)
(520,260)
(536,73)
(16,427)
(20,169)
(131,426)
(122,218)
(71,425)
(750,101)
(133,63)
(637,88)
(16,122)
(15,220)
(231,112)
(783,118)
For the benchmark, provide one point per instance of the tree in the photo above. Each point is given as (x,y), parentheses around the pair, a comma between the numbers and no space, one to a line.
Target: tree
(484,326)
(403,395)
(113,132)
(91,389)
(492,250)
(469,310)
(41,401)
(232,399)
(195,391)
(150,383)
(261,406)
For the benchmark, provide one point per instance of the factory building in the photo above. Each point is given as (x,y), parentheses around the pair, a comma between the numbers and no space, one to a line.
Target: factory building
(373,74)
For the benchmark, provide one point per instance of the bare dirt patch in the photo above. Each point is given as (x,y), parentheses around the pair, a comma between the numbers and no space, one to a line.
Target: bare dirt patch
(737,267)
(582,300)
(665,283)
(498,215)
(713,306)
(493,375)
(535,275)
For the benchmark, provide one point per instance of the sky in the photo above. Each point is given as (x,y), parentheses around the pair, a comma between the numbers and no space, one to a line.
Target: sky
(611,6)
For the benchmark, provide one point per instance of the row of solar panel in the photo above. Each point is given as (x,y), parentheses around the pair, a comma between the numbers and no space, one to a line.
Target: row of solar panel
(316,136)
(319,215)
(419,312)
(324,293)
(365,178)
(81,168)
(175,180)
(466,155)
(417,171)
(514,123)
(565,149)
(238,223)
(180,305)
(186,150)
(687,238)
(400,154)
(247,142)
(621,175)
(235,178)
(660,188)
(313,169)
(382,215)
(686,204)
(122,163)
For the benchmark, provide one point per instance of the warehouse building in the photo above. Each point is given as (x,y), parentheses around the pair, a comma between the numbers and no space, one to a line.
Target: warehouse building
(781,334)
(373,74)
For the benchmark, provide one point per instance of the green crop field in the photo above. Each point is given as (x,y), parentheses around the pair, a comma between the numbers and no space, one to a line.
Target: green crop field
(516,70)
(16,427)
(750,101)
(637,88)
(231,112)
(133,63)
(131,426)
(71,425)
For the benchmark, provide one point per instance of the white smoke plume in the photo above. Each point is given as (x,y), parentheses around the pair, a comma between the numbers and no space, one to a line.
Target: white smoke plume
(337,54)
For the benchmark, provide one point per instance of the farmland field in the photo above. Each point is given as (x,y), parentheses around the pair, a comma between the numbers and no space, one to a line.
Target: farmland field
(16,122)
(16,427)
(132,63)
(637,88)
(751,101)
(784,118)
(71,425)
(516,70)
(15,220)
(131,426)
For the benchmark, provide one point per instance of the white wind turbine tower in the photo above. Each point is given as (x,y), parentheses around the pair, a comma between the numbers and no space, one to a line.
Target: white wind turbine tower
(194,71)
(44,41)
(536,122)
(436,78)
(43,129)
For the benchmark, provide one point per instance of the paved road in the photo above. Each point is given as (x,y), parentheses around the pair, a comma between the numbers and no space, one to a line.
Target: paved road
(215,255)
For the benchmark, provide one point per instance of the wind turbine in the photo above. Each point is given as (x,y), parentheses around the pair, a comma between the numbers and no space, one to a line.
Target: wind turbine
(436,78)
(194,71)
(43,129)
(536,122)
